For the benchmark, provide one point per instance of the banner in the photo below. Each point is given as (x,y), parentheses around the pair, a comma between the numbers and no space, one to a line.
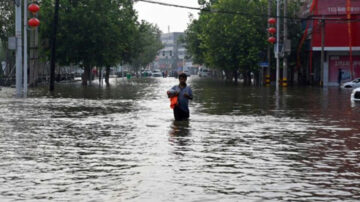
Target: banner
(342,63)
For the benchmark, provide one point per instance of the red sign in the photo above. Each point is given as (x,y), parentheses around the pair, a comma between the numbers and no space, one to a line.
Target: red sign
(337,7)
(336,33)
(342,63)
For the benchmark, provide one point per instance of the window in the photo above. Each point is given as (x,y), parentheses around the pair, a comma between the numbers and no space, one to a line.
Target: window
(170,53)
(163,53)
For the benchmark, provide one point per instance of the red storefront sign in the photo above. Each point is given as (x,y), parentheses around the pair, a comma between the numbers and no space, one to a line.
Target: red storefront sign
(337,7)
(343,62)
(337,32)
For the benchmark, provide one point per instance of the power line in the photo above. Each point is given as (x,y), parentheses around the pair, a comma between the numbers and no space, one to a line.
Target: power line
(245,14)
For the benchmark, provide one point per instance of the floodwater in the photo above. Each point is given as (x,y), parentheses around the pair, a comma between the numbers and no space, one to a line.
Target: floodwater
(122,144)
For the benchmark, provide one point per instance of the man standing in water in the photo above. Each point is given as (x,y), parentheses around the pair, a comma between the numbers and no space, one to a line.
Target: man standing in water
(184,93)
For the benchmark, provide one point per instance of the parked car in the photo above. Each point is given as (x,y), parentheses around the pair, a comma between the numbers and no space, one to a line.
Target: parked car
(146,73)
(351,84)
(203,72)
(187,72)
(355,95)
(157,73)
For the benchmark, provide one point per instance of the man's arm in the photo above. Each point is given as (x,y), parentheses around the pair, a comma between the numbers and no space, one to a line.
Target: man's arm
(189,94)
(172,92)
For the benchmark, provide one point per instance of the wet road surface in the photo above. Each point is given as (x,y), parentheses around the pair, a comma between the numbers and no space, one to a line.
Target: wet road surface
(122,144)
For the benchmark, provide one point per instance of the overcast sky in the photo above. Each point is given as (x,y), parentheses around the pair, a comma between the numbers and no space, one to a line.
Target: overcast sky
(164,16)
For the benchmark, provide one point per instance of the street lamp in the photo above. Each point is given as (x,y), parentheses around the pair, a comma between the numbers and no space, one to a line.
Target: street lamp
(33,22)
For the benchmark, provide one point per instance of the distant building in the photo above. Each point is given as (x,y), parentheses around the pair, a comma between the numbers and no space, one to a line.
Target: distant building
(172,56)
(341,42)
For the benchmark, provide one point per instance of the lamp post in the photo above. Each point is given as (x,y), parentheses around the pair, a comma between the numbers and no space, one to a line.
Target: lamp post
(53,47)
(25,50)
(267,77)
(21,86)
(33,22)
(18,36)
(277,55)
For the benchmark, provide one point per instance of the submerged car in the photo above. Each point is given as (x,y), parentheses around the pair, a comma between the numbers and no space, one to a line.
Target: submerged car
(187,73)
(355,95)
(146,73)
(203,72)
(351,84)
(157,73)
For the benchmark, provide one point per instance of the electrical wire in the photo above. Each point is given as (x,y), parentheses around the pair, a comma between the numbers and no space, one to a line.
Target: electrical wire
(339,20)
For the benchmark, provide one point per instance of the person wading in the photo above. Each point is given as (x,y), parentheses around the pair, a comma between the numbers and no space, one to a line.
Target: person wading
(183,93)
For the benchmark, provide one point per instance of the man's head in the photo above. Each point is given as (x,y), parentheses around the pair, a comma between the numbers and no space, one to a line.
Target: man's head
(182,78)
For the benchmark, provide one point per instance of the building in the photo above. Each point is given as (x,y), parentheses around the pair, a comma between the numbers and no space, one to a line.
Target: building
(339,38)
(172,56)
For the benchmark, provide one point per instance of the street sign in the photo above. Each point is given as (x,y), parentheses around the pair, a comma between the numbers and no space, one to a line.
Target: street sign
(280,52)
(287,46)
(264,64)
(3,64)
(12,43)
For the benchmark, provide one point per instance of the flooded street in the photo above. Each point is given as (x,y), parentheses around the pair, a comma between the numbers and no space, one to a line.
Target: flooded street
(122,144)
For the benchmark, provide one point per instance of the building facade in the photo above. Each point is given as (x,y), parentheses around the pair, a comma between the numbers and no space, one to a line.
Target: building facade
(172,56)
(335,31)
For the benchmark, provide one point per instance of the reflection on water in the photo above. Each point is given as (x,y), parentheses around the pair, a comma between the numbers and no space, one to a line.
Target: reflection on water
(180,128)
(122,144)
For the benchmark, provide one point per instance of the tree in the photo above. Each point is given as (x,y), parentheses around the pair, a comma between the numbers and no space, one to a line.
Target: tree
(91,32)
(7,29)
(230,35)
(7,20)
(146,45)
(228,41)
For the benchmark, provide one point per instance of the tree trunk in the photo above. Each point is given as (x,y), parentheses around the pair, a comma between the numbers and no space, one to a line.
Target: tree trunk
(257,78)
(228,75)
(86,75)
(247,78)
(235,76)
(100,76)
(107,75)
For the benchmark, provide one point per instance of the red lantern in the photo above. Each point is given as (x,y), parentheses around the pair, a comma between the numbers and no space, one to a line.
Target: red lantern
(272,40)
(272,21)
(272,30)
(33,22)
(34,8)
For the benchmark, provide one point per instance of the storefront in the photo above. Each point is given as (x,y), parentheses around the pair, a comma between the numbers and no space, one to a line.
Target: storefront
(340,65)
(341,42)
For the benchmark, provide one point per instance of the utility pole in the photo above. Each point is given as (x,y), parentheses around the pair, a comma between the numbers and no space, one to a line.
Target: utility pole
(25,50)
(267,77)
(285,61)
(322,22)
(53,46)
(18,36)
(277,55)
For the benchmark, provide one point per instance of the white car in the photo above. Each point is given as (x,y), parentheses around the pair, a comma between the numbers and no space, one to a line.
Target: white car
(187,73)
(146,73)
(351,84)
(157,73)
(355,95)
(203,72)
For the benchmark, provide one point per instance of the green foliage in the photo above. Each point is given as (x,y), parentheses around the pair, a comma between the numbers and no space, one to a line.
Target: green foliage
(90,32)
(99,33)
(146,44)
(2,52)
(7,19)
(234,42)
(228,41)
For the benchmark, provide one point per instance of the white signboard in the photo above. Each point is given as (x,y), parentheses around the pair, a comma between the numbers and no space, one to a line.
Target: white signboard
(12,43)
(3,64)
